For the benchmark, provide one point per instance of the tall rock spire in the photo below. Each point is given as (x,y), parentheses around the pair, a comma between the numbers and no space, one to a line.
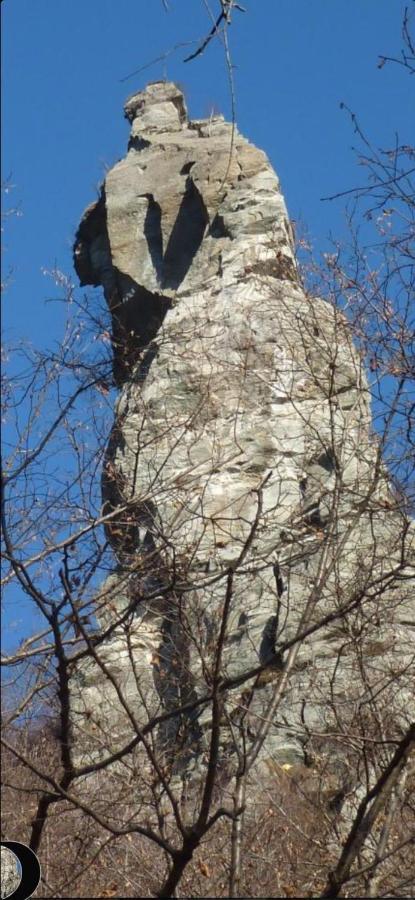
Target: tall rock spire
(251,499)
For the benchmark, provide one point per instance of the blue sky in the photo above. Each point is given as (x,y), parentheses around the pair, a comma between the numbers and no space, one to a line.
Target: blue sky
(63,65)
(64,62)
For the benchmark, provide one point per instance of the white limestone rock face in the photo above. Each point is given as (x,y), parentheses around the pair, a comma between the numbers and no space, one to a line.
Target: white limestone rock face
(242,440)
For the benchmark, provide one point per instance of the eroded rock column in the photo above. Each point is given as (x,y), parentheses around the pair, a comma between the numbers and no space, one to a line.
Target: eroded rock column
(241,438)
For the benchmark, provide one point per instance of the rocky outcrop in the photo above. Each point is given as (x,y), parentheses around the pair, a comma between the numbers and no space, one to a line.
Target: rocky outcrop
(241,443)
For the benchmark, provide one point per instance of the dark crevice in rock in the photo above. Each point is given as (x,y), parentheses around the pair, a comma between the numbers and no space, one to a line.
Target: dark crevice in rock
(136,321)
(180,736)
(312,516)
(138,143)
(146,361)
(218,228)
(267,650)
(327,461)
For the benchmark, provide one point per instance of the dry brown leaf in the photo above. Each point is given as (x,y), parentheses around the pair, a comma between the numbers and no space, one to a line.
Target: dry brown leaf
(204,869)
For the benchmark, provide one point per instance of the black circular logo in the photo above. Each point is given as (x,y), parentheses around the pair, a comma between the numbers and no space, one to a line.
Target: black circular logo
(20,871)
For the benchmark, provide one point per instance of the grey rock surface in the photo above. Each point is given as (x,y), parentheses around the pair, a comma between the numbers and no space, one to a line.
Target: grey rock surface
(242,440)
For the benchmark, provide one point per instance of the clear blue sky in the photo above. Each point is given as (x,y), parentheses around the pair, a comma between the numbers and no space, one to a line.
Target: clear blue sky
(295,61)
(63,61)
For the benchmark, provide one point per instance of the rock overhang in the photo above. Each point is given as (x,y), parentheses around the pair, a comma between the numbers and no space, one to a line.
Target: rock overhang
(190,201)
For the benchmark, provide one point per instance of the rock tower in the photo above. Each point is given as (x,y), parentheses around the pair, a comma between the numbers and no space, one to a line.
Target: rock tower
(247,502)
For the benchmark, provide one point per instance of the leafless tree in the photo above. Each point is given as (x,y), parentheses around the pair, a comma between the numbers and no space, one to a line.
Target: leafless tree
(103,802)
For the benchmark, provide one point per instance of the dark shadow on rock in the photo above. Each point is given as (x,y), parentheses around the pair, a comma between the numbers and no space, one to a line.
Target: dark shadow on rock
(154,235)
(218,228)
(136,321)
(92,228)
(146,361)
(327,461)
(267,646)
(186,236)
(138,143)
(137,313)
(179,738)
